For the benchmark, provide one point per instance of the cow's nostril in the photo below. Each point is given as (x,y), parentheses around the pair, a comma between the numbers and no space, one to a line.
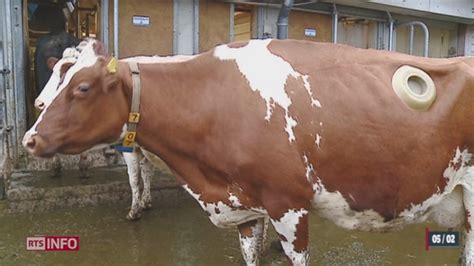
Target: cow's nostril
(39,105)
(30,143)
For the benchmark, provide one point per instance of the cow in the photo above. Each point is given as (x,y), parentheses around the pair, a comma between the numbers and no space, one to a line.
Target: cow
(279,128)
(140,163)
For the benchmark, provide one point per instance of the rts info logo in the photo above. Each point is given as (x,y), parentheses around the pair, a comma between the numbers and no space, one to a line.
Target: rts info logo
(53,243)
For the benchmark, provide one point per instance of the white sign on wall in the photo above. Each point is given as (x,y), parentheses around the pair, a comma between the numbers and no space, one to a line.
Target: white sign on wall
(142,21)
(309,32)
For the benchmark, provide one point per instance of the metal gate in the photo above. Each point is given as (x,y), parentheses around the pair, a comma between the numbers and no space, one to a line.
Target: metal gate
(12,86)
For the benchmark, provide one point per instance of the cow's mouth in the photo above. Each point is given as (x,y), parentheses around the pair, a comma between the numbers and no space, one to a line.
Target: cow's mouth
(37,146)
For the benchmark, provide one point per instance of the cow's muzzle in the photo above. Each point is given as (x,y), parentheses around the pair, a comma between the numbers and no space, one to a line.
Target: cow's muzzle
(36,145)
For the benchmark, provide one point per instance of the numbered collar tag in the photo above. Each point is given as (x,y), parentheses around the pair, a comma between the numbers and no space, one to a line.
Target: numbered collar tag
(134,117)
(129,139)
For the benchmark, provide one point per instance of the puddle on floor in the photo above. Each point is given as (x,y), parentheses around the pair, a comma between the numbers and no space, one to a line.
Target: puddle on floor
(183,235)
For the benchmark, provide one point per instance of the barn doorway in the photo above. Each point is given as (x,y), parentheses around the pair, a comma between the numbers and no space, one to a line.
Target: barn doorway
(242,23)
(51,27)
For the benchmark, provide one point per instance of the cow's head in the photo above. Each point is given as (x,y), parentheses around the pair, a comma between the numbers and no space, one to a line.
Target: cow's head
(59,68)
(87,107)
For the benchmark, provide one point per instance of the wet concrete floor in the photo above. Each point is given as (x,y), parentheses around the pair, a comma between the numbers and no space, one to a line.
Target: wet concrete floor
(182,235)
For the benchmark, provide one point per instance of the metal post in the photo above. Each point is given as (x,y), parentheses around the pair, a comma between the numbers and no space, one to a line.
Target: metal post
(282,23)
(196,27)
(335,20)
(87,25)
(105,22)
(231,22)
(116,29)
(260,21)
(411,37)
(175,27)
(78,22)
(390,31)
(425,31)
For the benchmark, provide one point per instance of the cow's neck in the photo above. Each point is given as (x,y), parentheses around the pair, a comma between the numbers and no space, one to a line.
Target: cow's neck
(173,107)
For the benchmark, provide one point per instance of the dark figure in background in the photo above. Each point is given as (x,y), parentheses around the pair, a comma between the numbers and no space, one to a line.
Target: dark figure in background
(50,47)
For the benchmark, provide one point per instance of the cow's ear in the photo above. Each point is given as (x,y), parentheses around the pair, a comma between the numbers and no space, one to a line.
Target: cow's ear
(111,79)
(99,49)
(51,62)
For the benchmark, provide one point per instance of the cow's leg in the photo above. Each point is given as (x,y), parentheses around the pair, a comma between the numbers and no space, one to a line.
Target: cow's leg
(292,228)
(147,171)
(468,197)
(263,238)
(133,169)
(251,235)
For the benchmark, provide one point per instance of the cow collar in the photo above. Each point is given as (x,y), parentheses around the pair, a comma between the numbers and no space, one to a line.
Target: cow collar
(134,115)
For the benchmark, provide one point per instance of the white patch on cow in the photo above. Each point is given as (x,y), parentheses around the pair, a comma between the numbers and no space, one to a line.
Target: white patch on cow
(248,247)
(286,226)
(234,200)
(70,55)
(267,74)
(321,123)
(307,86)
(333,206)
(223,215)
(318,140)
(352,197)
(309,169)
(133,175)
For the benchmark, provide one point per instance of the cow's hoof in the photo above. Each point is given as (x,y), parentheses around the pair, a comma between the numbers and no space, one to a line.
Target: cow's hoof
(145,205)
(131,216)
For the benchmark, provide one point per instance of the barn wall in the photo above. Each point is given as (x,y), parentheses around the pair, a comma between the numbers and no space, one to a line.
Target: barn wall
(214,24)
(157,39)
(298,21)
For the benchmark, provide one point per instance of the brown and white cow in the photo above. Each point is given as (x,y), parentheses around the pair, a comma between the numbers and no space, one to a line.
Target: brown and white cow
(277,128)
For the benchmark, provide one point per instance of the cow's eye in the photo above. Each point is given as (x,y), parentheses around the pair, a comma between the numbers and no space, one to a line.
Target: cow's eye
(84,87)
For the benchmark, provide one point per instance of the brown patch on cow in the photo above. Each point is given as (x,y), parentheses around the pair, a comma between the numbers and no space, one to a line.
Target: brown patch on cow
(217,210)
(237,44)
(62,72)
(302,234)
(245,229)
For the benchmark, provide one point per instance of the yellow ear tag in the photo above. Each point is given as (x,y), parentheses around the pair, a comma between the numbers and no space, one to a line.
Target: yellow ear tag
(112,65)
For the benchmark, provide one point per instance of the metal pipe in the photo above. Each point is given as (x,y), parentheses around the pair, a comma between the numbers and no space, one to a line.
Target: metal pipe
(390,31)
(282,23)
(116,29)
(195,26)
(105,22)
(335,20)
(410,40)
(231,22)
(425,31)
